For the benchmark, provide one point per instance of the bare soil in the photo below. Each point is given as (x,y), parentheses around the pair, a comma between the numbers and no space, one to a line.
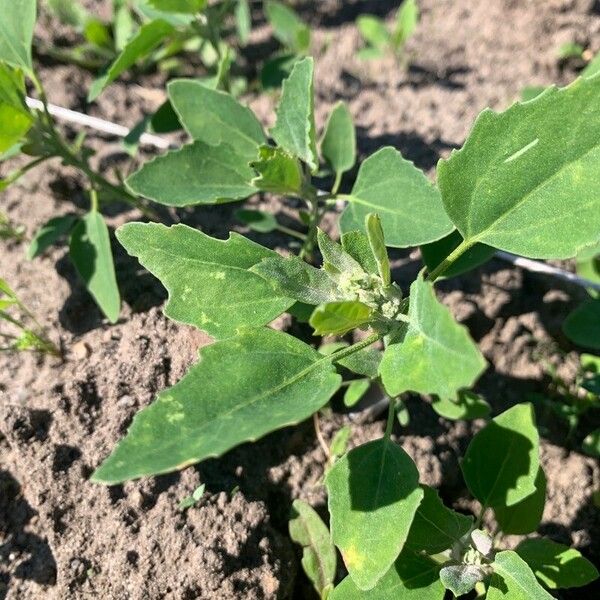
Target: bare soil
(61,536)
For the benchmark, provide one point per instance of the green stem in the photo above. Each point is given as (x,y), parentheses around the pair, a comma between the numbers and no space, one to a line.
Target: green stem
(390,419)
(344,352)
(292,232)
(94,200)
(336,183)
(450,259)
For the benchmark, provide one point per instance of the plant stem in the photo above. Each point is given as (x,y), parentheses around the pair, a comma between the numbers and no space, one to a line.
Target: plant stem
(344,352)
(336,184)
(319,435)
(291,232)
(449,260)
(390,419)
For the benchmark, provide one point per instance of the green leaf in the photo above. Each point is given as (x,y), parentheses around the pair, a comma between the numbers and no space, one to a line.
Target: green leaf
(15,118)
(68,12)
(525,180)
(461,579)
(336,261)
(49,233)
(412,577)
(215,117)
(355,391)
(319,559)
(373,31)
(357,245)
(556,565)
(532,91)
(276,70)
(373,486)
(208,280)
(243,21)
(570,50)
(591,443)
(241,389)
(409,205)
(297,279)
(140,45)
(287,26)
(257,220)
(337,318)
(435,252)
(97,34)
(437,355)
(180,6)
(338,145)
(195,174)
(467,406)
(525,516)
(294,129)
(582,326)
(502,461)
(124,25)
(407,19)
(91,254)
(16,32)
(512,578)
(435,527)
(377,244)
(339,443)
(278,172)
(364,362)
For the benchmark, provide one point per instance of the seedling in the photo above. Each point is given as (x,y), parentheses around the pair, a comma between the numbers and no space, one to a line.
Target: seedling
(24,332)
(193,499)
(380,39)
(524,182)
(9,231)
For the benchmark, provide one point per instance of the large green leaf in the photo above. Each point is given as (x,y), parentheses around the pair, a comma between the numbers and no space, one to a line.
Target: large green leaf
(525,516)
(556,565)
(214,117)
(373,496)
(241,389)
(196,174)
(582,326)
(512,578)
(409,205)
(208,280)
(15,119)
(435,527)
(17,20)
(294,129)
(91,254)
(412,577)
(338,145)
(437,355)
(319,559)
(502,461)
(525,180)
(140,45)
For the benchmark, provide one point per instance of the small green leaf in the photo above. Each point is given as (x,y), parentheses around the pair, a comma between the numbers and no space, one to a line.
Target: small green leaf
(181,6)
(319,559)
(208,280)
(49,234)
(215,117)
(15,118)
(525,516)
(409,205)
(357,245)
(412,577)
(337,318)
(339,443)
(336,261)
(297,279)
(241,389)
(570,50)
(91,254)
(294,129)
(582,326)
(556,565)
(437,355)
(355,391)
(124,25)
(68,12)
(243,21)
(141,44)
(369,488)
(467,406)
(512,578)
(373,31)
(435,252)
(407,19)
(435,527)
(287,26)
(502,461)
(591,443)
(338,145)
(97,34)
(377,243)
(257,220)
(461,579)
(510,183)
(278,172)
(195,174)
(16,32)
